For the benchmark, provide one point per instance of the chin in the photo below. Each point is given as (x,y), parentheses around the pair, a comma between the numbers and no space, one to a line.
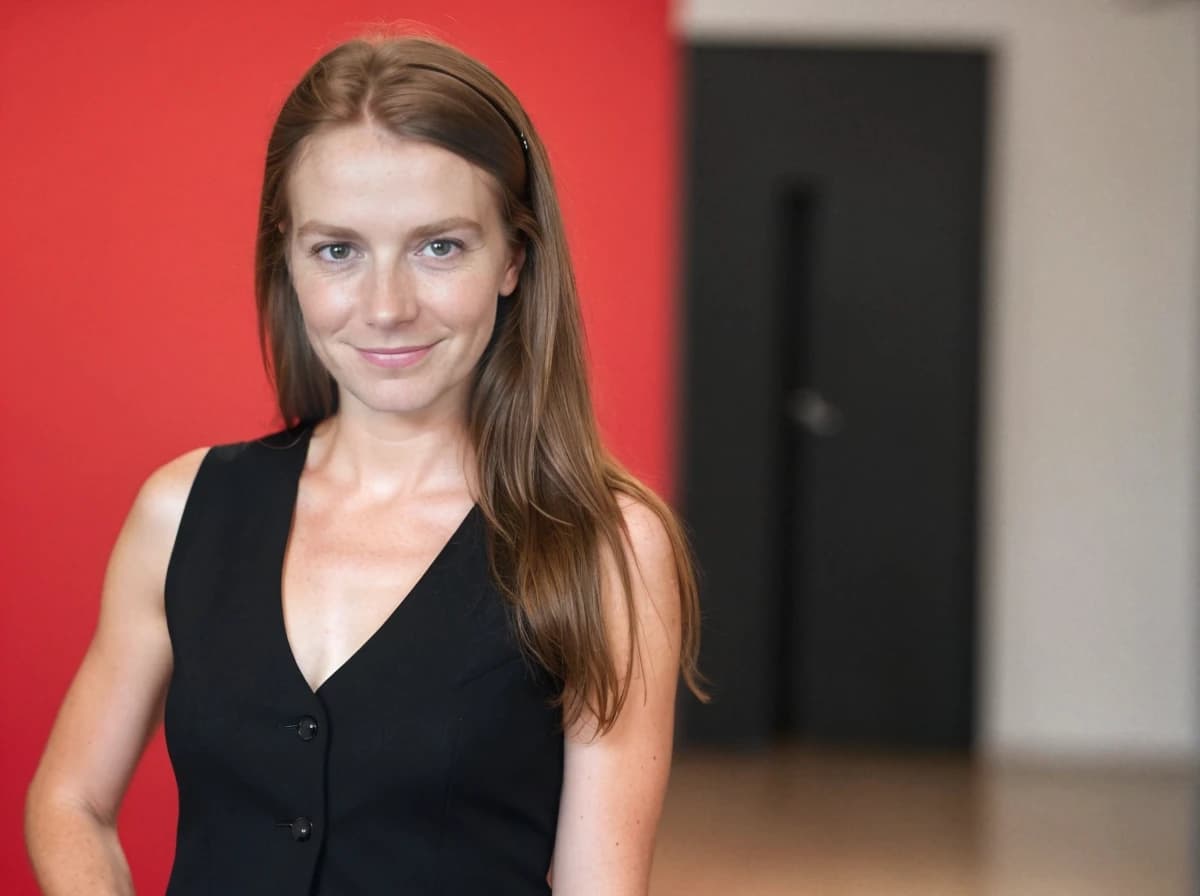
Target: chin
(411,400)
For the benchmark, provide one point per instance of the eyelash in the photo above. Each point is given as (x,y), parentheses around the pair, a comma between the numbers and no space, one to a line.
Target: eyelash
(458,244)
(317,250)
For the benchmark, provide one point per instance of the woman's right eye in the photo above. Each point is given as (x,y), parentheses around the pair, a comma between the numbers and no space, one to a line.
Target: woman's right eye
(334,252)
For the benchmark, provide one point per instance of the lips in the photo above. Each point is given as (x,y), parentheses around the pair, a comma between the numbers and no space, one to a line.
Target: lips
(403,356)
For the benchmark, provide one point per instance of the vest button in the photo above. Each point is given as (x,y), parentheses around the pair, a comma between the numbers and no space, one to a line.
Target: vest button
(306,728)
(302,828)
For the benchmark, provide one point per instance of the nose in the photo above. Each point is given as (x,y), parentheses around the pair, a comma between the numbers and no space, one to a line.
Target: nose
(391,297)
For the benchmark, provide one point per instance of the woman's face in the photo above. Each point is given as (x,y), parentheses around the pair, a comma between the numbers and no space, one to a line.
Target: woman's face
(397,252)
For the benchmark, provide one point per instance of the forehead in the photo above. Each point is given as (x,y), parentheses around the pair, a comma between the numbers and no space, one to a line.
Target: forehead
(361,174)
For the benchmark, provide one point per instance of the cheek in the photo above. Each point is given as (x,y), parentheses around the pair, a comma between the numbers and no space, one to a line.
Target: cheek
(479,318)
(466,304)
(324,303)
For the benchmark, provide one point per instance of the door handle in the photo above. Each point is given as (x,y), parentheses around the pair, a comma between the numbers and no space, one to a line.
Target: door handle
(811,411)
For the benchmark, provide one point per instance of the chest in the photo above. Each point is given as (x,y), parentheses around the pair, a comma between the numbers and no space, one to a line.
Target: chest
(348,566)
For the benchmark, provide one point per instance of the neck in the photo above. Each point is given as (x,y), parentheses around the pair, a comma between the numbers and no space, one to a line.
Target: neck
(388,456)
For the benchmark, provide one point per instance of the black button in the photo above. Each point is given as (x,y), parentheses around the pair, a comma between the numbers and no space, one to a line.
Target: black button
(306,728)
(302,828)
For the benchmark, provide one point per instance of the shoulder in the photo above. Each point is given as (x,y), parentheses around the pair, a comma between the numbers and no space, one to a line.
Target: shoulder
(651,558)
(158,507)
(164,493)
(165,490)
(136,572)
(649,547)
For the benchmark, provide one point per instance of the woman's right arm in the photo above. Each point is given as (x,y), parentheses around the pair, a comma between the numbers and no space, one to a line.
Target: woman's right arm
(113,705)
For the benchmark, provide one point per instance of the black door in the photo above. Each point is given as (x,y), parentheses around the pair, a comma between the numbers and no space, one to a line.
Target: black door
(833,221)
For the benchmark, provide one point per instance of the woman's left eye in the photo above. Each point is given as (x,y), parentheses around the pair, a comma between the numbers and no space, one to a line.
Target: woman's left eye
(443,248)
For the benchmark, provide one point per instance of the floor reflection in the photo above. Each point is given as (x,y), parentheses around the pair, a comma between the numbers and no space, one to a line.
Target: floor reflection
(798,822)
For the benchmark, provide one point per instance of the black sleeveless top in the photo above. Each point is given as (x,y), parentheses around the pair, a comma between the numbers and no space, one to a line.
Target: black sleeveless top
(428,763)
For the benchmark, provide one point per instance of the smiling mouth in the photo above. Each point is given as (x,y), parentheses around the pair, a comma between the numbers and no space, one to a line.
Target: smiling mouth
(395,357)
(396,351)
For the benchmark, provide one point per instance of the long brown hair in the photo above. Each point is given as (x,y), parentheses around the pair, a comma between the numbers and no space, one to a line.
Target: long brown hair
(548,488)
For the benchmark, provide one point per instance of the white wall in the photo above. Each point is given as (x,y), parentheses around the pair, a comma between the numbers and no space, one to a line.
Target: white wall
(1089,618)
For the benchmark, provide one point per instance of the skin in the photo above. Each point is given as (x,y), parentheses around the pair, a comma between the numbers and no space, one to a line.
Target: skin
(388,480)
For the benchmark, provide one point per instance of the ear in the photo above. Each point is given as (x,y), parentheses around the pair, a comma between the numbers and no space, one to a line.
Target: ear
(512,273)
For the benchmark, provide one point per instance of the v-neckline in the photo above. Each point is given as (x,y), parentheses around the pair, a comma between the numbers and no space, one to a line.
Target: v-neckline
(291,496)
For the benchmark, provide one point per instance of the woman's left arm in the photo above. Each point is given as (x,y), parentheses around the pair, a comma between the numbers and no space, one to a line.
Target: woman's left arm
(613,785)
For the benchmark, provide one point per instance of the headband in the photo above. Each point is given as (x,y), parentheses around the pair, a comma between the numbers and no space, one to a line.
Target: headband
(512,124)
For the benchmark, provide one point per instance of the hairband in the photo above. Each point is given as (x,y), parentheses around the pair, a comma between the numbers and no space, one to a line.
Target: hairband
(512,124)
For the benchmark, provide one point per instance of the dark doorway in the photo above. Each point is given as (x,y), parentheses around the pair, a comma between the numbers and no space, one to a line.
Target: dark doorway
(833,293)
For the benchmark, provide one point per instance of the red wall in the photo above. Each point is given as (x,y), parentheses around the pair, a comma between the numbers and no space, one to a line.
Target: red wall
(133,135)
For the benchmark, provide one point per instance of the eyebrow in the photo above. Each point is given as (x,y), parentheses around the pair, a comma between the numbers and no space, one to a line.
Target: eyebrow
(435,227)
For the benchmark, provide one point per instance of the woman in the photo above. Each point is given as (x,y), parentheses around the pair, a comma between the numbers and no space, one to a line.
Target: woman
(427,637)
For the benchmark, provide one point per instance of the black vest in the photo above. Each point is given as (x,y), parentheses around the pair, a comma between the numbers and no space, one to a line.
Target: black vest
(428,763)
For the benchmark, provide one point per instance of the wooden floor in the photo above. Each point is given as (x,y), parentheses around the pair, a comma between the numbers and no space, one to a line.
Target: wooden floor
(799,822)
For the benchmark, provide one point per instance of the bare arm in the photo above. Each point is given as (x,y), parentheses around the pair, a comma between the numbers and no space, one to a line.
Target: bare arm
(113,704)
(613,785)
